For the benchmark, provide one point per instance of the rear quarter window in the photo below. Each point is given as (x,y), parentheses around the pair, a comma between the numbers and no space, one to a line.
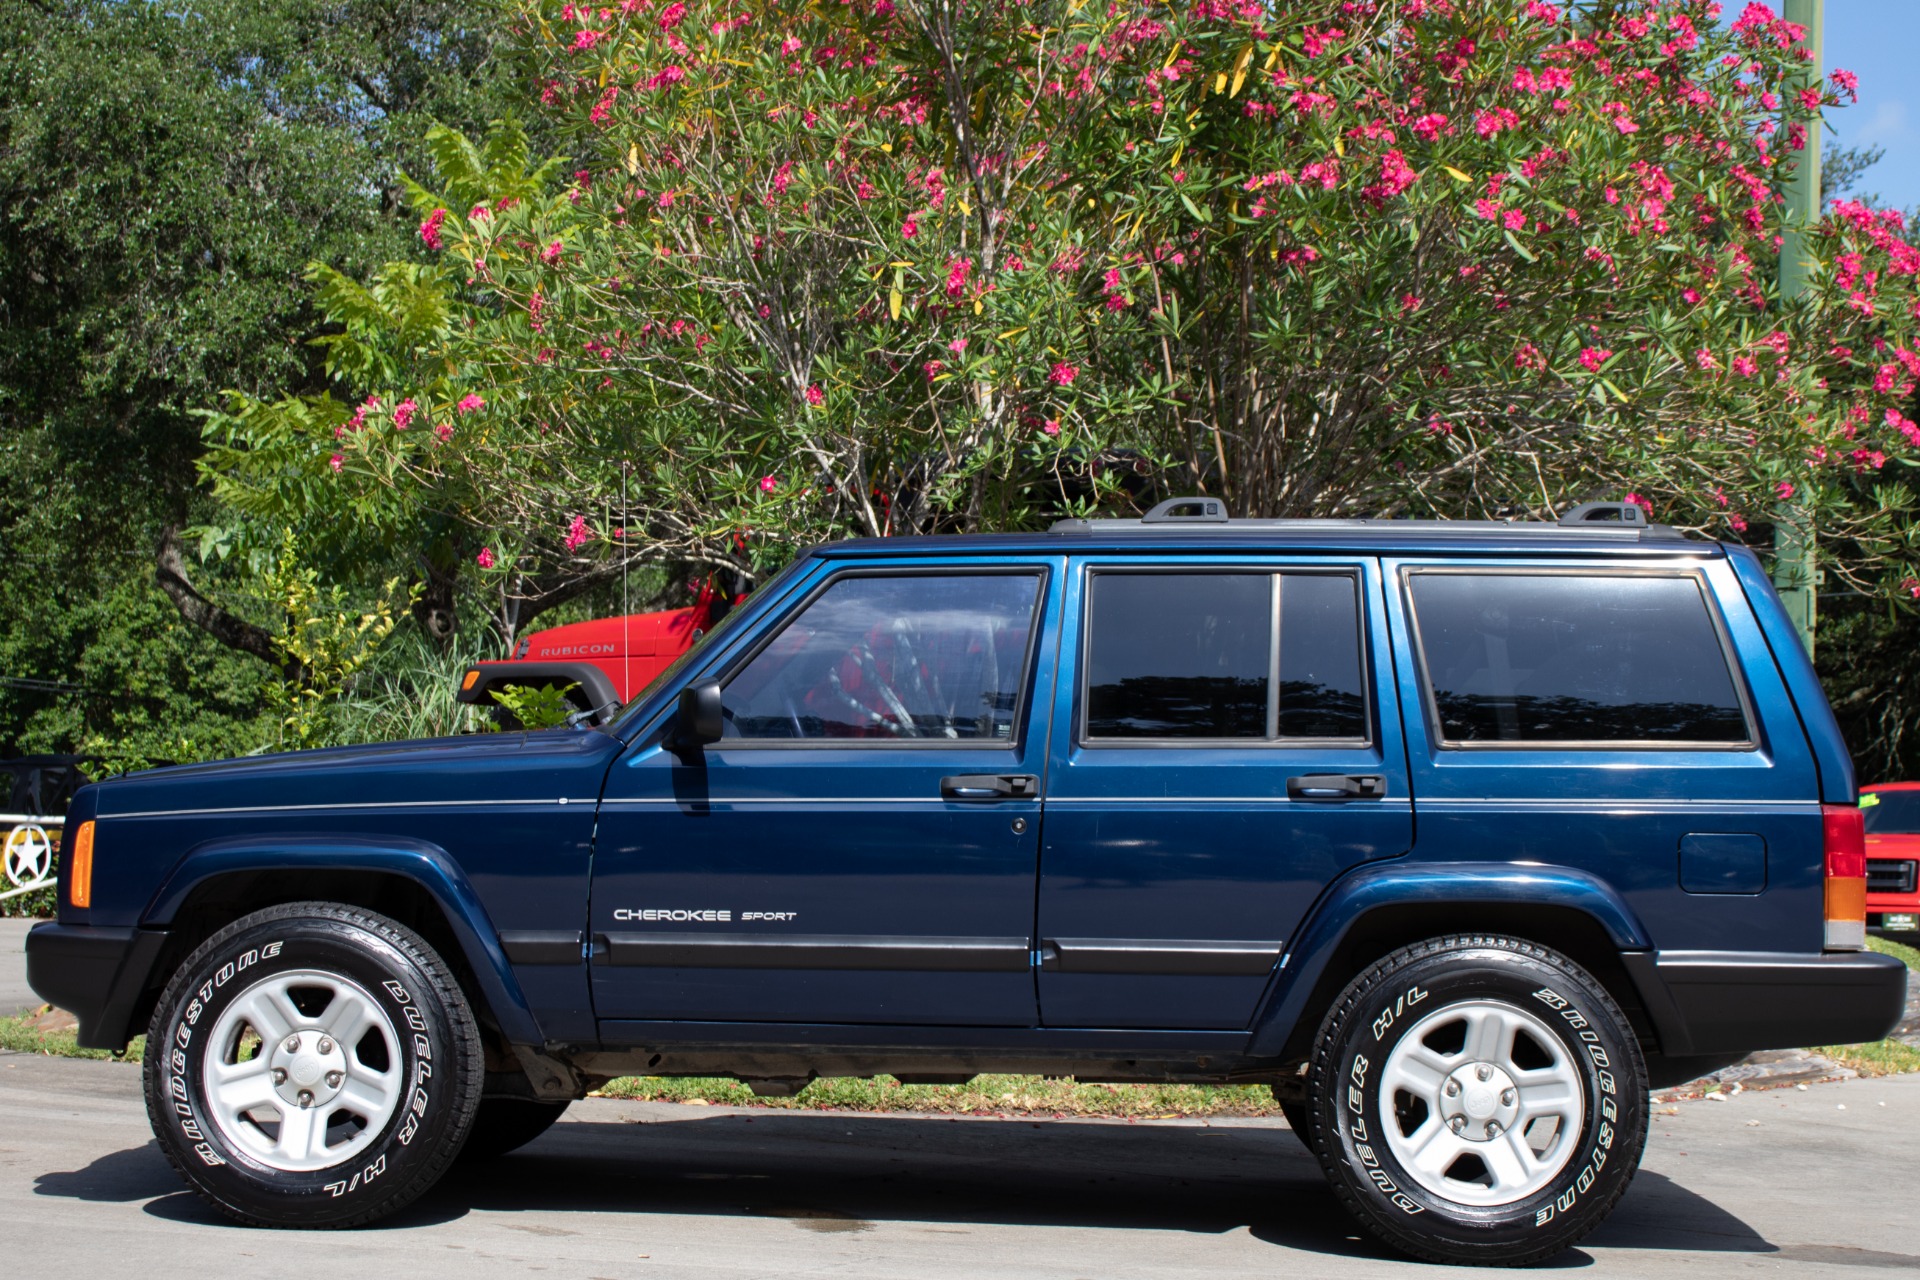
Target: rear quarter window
(1575,658)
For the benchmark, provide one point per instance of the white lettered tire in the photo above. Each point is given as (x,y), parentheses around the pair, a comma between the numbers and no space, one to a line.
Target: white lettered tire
(312,1065)
(1478,1100)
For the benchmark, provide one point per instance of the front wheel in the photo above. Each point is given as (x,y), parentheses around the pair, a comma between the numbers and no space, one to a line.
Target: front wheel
(312,1065)
(1479,1100)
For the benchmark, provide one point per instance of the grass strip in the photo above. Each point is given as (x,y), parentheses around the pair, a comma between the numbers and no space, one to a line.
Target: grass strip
(1881,1057)
(22,1035)
(983,1095)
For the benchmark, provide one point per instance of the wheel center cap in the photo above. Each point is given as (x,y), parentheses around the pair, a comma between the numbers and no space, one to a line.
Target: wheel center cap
(309,1069)
(1479,1101)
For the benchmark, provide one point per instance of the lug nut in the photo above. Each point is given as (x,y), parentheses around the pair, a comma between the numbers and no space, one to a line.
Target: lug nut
(1506,1097)
(306,1098)
(279,1075)
(1484,1071)
(1457,1123)
(1493,1128)
(293,1044)
(326,1045)
(333,1079)
(1453,1088)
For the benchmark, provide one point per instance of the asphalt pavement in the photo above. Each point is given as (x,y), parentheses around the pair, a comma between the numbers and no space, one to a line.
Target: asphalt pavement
(1809,1182)
(15,995)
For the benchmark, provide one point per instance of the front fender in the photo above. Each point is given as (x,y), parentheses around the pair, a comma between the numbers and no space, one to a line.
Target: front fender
(1394,884)
(426,865)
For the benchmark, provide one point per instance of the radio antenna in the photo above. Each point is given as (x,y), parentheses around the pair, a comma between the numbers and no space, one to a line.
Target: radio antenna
(626,603)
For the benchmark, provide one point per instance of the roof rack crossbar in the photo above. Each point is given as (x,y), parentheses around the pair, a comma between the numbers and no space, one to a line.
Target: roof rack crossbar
(1187,511)
(1589,513)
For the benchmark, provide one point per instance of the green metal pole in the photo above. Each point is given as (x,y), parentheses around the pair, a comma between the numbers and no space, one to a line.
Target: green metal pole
(1796,573)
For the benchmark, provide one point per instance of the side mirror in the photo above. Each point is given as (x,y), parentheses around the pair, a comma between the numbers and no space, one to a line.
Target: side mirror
(698,721)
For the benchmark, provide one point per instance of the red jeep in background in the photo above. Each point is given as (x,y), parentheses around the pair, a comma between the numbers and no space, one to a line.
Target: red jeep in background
(608,660)
(1892,811)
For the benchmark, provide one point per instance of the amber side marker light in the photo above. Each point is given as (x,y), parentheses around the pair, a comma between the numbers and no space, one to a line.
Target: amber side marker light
(80,867)
(471,677)
(1843,831)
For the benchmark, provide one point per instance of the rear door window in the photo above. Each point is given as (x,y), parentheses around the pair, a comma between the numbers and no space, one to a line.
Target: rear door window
(1575,658)
(1227,656)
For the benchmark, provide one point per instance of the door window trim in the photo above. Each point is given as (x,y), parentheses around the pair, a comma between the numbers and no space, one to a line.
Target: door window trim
(1016,742)
(1354,576)
(1430,703)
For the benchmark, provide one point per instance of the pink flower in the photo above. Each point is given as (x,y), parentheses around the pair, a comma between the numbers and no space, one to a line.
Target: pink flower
(444,431)
(336,461)
(1642,502)
(470,403)
(1591,358)
(768,484)
(909,229)
(1408,302)
(485,558)
(1704,358)
(1847,82)
(1491,122)
(1429,126)
(403,414)
(1744,366)
(1624,123)
(1052,426)
(1911,586)
(479,213)
(1529,357)
(551,254)
(957,346)
(1514,219)
(430,229)
(932,368)
(957,272)
(1810,99)
(1738,522)
(789,46)
(671,15)
(1783,490)
(815,396)
(1064,373)
(577,534)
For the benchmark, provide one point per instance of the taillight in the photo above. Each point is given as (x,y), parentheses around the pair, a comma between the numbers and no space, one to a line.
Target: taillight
(1843,832)
(80,866)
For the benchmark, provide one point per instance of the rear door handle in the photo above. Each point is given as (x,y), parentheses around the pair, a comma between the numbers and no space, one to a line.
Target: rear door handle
(989,786)
(1337,786)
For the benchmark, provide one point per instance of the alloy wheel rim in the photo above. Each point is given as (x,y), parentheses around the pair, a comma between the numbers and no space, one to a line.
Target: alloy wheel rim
(303,1071)
(1481,1103)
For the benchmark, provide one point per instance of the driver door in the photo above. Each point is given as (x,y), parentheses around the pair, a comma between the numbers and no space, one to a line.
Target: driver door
(861,846)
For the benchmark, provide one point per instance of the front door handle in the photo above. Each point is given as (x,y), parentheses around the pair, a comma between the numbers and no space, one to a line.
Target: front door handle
(1337,786)
(989,786)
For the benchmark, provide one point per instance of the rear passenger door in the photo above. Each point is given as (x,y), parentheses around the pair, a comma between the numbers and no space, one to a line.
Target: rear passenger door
(1176,857)
(1594,716)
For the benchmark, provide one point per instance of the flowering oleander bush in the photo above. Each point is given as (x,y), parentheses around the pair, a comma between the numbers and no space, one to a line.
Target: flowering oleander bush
(880,266)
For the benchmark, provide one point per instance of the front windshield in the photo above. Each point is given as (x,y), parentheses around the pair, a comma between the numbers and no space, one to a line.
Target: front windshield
(721,629)
(1891,812)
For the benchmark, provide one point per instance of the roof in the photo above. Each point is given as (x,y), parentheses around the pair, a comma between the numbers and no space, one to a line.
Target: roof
(1600,530)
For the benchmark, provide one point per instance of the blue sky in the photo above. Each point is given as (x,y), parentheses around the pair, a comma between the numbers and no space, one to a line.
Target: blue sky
(1879,41)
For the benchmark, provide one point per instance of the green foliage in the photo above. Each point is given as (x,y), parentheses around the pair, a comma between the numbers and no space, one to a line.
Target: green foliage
(543,706)
(916,268)
(169,172)
(322,646)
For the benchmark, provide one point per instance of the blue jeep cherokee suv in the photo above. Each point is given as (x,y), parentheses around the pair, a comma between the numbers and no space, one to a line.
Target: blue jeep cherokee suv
(1460,836)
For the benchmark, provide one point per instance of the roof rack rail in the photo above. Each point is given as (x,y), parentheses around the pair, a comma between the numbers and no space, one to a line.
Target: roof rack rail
(1613,521)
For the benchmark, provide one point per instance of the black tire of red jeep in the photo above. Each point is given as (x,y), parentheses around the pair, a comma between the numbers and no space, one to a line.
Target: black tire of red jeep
(439,1052)
(1374,1013)
(504,1125)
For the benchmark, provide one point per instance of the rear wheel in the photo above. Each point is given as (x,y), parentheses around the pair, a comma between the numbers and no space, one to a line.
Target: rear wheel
(507,1124)
(1479,1100)
(312,1065)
